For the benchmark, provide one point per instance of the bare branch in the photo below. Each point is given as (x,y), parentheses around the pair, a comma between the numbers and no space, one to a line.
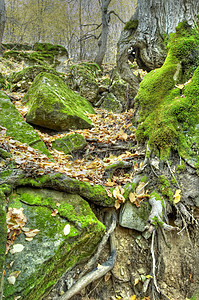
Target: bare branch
(113,12)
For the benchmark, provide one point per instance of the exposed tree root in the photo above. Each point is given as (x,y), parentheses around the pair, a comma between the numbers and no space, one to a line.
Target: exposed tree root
(102,269)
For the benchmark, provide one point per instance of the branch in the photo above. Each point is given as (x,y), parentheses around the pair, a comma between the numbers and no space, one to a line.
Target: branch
(113,12)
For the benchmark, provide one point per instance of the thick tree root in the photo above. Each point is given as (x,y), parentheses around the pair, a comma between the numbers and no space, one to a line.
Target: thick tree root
(102,269)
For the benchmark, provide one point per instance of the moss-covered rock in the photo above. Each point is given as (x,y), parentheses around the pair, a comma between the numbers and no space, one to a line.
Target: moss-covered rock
(47,47)
(53,105)
(83,78)
(23,79)
(51,252)
(17,127)
(70,143)
(111,103)
(166,113)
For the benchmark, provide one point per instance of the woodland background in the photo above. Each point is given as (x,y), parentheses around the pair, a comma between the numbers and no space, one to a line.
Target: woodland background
(74,24)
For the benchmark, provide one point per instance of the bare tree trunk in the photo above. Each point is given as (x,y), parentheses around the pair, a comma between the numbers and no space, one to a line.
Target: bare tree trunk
(2,20)
(147,31)
(104,34)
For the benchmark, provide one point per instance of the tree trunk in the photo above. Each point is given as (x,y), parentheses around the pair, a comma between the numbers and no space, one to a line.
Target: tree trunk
(104,34)
(2,20)
(147,31)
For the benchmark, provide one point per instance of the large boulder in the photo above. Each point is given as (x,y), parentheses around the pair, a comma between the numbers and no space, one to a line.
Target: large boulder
(68,234)
(16,127)
(53,105)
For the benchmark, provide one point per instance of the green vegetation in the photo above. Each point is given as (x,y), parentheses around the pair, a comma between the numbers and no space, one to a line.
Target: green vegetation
(165,187)
(166,113)
(131,25)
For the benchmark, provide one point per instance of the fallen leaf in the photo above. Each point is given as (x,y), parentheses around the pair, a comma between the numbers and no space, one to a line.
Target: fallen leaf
(136,281)
(17,248)
(177,196)
(54,213)
(107,277)
(11,280)
(132,197)
(67,229)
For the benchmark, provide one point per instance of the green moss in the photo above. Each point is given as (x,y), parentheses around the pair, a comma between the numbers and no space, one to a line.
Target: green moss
(18,128)
(165,111)
(94,193)
(165,187)
(53,105)
(131,25)
(181,167)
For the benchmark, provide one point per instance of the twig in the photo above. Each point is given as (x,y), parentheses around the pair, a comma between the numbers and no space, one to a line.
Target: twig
(173,174)
(153,259)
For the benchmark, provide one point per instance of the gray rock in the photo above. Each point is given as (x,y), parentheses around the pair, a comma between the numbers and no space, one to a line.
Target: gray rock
(134,217)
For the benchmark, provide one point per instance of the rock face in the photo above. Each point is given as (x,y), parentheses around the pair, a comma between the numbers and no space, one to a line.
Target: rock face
(53,105)
(17,127)
(51,252)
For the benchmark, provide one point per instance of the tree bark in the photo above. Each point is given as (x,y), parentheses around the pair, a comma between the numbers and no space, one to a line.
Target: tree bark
(147,30)
(2,21)
(104,34)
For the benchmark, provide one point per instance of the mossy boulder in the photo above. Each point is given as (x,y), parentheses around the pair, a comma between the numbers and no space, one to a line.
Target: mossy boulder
(84,79)
(23,79)
(47,47)
(70,143)
(51,253)
(53,105)
(29,58)
(111,103)
(16,127)
(169,115)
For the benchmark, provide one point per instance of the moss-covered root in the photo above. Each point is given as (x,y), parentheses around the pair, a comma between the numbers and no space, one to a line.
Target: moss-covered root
(95,193)
(156,215)
(3,238)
